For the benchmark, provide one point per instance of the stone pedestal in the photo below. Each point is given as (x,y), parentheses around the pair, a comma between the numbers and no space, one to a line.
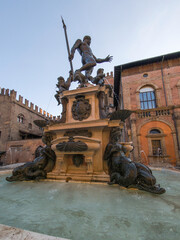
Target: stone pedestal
(80,141)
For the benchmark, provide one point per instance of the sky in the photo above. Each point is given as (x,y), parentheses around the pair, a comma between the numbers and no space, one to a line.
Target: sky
(33,51)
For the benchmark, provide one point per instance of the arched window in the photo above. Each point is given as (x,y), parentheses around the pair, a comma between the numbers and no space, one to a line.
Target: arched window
(154,131)
(147,98)
(20,118)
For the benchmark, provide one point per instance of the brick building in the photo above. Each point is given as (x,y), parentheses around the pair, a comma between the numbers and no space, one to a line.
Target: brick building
(19,136)
(151,89)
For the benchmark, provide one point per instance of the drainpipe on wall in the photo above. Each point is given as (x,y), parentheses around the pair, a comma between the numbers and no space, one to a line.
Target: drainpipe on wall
(173,115)
(164,88)
(122,100)
(176,130)
(122,103)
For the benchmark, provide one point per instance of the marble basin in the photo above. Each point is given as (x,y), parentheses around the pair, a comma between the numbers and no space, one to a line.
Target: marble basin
(80,211)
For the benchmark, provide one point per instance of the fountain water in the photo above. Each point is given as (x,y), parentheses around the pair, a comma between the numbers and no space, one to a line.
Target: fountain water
(92,211)
(145,156)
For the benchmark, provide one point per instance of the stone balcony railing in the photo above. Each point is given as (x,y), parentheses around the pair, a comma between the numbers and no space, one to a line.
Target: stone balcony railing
(155,112)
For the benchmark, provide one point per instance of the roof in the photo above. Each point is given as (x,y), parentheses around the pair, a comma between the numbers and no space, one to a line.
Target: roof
(148,61)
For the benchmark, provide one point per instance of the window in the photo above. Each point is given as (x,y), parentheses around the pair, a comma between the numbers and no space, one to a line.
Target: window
(20,118)
(156,148)
(30,126)
(154,131)
(147,98)
(156,142)
(145,75)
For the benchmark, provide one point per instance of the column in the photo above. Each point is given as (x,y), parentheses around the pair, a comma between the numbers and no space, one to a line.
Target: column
(60,166)
(176,148)
(134,137)
(89,161)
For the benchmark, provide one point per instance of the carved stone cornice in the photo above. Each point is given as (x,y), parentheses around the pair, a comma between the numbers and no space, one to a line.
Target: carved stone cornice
(159,135)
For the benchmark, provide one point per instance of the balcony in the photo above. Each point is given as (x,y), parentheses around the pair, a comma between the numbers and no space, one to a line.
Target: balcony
(155,112)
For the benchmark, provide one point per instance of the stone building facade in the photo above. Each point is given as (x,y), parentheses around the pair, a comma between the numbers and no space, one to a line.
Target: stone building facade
(19,136)
(151,89)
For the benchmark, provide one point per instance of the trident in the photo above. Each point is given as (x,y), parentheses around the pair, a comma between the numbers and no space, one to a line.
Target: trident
(67,44)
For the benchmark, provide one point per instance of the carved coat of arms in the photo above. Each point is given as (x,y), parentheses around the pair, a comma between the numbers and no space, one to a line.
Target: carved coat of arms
(81,108)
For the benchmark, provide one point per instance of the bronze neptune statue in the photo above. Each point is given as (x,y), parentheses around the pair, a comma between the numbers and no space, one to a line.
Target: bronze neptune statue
(89,61)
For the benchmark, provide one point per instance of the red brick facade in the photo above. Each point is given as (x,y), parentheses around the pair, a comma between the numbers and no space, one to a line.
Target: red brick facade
(153,129)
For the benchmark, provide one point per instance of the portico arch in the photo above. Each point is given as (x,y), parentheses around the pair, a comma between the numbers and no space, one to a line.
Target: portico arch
(148,142)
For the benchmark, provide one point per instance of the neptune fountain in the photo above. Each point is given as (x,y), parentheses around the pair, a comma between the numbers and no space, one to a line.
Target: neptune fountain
(86,143)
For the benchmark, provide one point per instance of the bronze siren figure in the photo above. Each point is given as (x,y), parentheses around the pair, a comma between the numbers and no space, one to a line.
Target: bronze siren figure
(124,171)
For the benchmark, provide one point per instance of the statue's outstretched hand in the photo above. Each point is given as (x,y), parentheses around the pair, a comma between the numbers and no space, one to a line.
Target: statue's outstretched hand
(109,58)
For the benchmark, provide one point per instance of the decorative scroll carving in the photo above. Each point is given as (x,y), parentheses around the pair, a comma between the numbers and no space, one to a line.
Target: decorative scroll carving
(72,146)
(81,109)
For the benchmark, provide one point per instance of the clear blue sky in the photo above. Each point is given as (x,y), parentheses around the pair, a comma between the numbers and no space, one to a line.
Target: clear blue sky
(32,43)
